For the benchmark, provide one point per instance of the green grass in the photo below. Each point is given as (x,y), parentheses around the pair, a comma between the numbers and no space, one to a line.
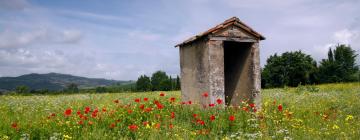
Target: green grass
(330,111)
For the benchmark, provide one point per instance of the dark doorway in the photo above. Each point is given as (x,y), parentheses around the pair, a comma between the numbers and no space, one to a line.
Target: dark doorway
(237,70)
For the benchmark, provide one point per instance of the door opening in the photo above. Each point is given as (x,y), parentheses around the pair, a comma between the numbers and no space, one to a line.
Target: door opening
(237,73)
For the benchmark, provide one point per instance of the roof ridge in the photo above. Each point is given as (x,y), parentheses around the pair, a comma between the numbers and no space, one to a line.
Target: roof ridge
(231,21)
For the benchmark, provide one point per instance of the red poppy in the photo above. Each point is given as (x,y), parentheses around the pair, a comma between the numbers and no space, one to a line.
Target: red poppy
(130,111)
(78,112)
(201,122)
(53,115)
(211,105)
(254,109)
(219,101)
(156,102)
(212,117)
(280,107)
(87,110)
(172,99)
(145,123)
(231,118)
(162,94)
(171,126)
(133,127)
(252,105)
(142,106)
(90,122)
(189,102)
(137,100)
(195,115)
(148,109)
(245,108)
(81,116)
(205,94)
(157,126)
(68,112)
(14,125)
(104,109)
(94,114)
(80,122)
(146,99)
(172,114)
(112,125)
(116,101)
(159,106)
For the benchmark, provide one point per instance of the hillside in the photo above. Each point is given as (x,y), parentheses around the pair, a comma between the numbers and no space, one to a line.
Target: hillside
(53,81)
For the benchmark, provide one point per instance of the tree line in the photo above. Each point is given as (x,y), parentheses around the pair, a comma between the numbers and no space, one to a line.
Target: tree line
(159,81)
(296,68)
(288,69)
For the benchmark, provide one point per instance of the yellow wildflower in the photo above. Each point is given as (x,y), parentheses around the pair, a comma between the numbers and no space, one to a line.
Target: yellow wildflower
(349,117)
(5,137)
(67,137)
(335,126)
(147,126)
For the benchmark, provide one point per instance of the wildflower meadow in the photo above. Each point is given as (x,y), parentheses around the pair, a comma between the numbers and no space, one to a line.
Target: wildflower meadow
(329,111)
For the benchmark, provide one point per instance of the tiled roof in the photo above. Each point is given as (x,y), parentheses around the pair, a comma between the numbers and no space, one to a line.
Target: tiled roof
(232,21)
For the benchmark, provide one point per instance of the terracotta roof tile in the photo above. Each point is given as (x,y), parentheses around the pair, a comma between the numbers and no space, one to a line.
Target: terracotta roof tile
(232,21)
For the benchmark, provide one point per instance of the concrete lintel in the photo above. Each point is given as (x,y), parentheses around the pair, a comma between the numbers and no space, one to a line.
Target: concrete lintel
(236,39)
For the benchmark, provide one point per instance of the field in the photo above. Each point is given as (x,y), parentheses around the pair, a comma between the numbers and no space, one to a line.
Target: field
(329,111)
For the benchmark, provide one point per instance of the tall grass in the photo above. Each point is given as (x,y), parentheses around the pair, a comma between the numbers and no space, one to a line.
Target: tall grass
(328,111)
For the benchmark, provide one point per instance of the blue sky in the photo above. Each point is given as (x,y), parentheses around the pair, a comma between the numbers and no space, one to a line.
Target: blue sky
(122,39)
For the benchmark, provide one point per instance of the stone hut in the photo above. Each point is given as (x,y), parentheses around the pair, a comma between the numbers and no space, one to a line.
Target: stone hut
(224,62)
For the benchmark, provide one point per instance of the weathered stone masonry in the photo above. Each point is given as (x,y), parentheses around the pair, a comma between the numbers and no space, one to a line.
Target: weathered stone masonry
(223,61)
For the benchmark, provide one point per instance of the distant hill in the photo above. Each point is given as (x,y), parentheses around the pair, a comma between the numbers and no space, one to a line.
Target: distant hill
(53,81)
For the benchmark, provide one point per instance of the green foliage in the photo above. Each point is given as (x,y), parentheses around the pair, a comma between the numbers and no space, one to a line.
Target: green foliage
(22,89)
(289,69)
(72,88)
(159,81)
(143,83)
(340,66)
(177,85)
(100,89)
(332,112)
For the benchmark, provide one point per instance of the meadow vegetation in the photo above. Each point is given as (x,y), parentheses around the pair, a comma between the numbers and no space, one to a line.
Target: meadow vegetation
(329,111)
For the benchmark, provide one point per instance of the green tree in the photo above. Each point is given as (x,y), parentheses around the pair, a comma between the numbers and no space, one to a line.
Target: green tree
(22,89)
(160,81)
(100,90)
(178,85)
(290,69)
(143,83)
(72,88)
(340,66)
(166,84)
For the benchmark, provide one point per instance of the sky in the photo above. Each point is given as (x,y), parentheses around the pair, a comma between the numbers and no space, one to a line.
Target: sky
(122,39)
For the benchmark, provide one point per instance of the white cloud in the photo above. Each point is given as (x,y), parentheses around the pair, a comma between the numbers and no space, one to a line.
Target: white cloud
(346,36)
(144,35)
(92,15)
(13,39)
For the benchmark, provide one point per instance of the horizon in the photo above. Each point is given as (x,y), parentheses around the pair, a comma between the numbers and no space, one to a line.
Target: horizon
(121,40)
